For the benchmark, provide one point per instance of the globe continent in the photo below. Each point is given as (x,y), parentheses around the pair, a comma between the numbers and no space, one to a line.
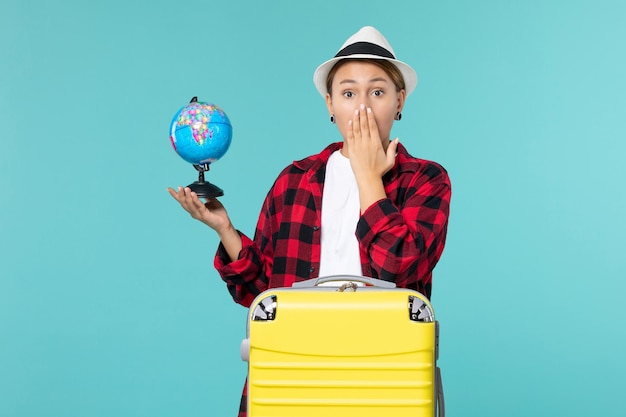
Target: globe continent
(201,133)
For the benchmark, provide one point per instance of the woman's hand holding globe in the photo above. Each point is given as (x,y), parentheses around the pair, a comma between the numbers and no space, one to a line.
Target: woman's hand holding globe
(201,133)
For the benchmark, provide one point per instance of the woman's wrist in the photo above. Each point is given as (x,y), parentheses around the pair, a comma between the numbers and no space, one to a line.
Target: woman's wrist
(370,191)
(227,232)
(231,241)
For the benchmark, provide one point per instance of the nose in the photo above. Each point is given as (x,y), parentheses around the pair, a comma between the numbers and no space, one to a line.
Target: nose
(364,105)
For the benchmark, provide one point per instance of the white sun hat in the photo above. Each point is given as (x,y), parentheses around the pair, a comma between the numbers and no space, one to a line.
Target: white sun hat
(368,42)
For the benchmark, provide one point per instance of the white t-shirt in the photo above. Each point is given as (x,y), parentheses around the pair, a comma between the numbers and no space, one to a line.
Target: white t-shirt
(340,214)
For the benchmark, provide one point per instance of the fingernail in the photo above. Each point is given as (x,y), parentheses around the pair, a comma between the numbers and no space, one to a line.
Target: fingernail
(356,111)
(350,122)
(369,110)
(362,106)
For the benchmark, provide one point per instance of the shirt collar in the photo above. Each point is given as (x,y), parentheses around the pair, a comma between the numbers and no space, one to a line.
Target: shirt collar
(313,163)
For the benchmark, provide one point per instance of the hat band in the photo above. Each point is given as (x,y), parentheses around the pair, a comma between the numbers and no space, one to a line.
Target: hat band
(365,48)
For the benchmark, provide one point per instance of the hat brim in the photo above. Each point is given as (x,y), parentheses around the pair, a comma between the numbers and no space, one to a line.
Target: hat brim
(321,73)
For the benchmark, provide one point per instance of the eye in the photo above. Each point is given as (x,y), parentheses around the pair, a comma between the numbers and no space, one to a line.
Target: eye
(378,93)
(348,94)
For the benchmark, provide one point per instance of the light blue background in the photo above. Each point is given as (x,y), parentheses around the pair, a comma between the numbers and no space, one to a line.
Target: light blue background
(109,304)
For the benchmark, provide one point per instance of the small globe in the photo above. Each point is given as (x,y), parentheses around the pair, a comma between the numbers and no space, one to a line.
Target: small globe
(201,133)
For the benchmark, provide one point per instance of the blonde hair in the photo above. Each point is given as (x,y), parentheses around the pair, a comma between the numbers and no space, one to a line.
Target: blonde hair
(392,71)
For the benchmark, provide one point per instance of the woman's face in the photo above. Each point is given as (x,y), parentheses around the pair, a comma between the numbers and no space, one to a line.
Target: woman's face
(357,83)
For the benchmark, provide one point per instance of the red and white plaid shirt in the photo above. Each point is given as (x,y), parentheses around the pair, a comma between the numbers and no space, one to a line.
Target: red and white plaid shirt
(401,237)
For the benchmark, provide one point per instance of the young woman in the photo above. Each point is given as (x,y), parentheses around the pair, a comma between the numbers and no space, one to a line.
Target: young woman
(362,206)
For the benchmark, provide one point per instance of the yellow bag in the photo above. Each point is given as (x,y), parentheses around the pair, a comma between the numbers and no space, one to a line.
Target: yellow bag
(342,346)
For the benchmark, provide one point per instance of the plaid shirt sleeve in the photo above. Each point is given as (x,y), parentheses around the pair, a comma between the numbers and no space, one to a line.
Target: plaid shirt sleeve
(286,245)
(403,236)
(249,275)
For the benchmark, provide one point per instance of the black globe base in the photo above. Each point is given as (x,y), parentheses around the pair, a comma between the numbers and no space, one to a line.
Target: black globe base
(202,188)
(206,189)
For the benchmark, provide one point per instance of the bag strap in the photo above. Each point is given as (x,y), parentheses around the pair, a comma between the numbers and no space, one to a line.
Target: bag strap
(440,406)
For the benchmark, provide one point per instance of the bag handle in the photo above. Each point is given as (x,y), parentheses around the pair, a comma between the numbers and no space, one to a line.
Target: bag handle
(341,279)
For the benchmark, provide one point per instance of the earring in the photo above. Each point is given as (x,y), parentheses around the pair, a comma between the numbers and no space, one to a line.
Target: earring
(398,116)
(332,118)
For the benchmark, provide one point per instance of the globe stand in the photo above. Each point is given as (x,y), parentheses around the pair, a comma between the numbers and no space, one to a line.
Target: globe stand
(202,188)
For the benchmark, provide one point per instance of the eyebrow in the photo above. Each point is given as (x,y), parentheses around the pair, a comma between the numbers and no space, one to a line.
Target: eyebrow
(349,81)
